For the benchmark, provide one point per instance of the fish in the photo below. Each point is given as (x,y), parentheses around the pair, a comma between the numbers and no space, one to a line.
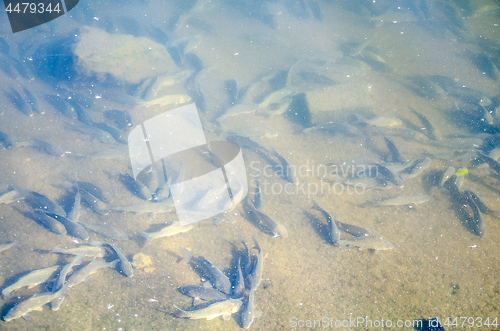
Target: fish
(10,196)
(218,279)
(405,134)
(62,106)
(164,81)
(342,128)
(410,199)
(8,140)
(284,169)
(423,87)
(432,131)
(19,101)
(137,187)
(4,247)
(171,229)
(415,168)
(495,153)
(74,213)
(395,154)
(96,204)
(494,165)
(239,286)
(118,135)
(167,100)
(357,231)
(334,232)
(275,227)
(147,207)
(112,153)
(44,147)
(254,131)
(32,279)
(367,183)
(73,228)
(239,109)
(381,121)
(107,231)
(101,135)
(447,174)
(94,265)
(64,272)
(361,46)
(33,102)
(221,308)
(247,258)
(387,174)
(88,251)
(121,118)
(481,204)
(95,190)
(247,313)
(203,293)
(124,265)
(475,224)
(84,117)
(372,243)
(256,276)
(33,303)
(49,222)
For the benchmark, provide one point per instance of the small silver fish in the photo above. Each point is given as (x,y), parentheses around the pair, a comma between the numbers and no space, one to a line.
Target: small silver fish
(256,275)
(214,310)
(4,247)
(171,229)
(372,243)
(90,251)
(33,303)
(266,221)
(203,293)
(94,265)
(107,231)
(32,279)
(124,264)
(410,199)
(217,277)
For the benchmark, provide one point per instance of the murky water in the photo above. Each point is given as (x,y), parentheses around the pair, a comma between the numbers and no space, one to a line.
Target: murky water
(311,52)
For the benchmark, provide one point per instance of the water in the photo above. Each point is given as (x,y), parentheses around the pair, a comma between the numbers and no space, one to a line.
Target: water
(437,269)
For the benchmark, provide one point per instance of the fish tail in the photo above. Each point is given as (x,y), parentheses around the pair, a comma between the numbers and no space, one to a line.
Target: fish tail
(187,255)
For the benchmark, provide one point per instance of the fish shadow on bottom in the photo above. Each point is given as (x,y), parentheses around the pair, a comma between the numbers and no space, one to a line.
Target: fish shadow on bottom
(319,227)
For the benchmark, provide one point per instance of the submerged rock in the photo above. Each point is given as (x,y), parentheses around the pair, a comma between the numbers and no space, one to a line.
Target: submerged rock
(123,56)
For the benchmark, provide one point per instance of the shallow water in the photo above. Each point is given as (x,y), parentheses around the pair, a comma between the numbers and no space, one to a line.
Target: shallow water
(437,267)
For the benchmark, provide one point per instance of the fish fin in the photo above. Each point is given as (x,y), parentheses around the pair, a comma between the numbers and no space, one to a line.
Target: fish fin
(226,317)
(257,313)
(39,308)
(185,234)
(146,239)
(217,220)
(197,301)
(26,317)
(187,255)
(207,284)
